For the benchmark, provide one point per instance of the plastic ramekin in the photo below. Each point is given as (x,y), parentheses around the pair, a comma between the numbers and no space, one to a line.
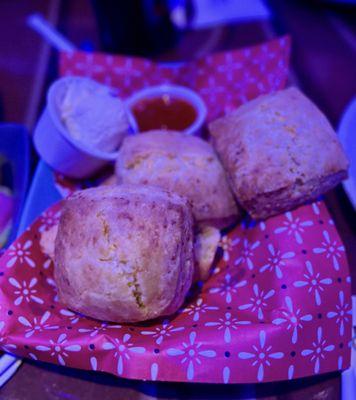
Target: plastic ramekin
(55,145)
(180,92)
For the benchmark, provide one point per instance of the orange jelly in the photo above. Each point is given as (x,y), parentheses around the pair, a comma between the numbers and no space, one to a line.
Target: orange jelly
(164,112)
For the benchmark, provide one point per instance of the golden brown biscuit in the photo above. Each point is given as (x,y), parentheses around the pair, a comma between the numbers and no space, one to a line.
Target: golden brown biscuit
(206,242)
(184,164)
(205,245)
(124,253)
(47,241)
(279,151)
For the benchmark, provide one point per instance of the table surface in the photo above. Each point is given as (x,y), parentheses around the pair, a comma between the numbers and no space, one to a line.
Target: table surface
(322,64)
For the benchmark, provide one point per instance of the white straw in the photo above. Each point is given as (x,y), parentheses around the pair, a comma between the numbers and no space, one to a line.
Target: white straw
(48,32)
(5,361)
(13,364)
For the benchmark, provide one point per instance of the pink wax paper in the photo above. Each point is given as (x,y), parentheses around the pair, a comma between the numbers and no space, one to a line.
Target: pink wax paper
(277,306)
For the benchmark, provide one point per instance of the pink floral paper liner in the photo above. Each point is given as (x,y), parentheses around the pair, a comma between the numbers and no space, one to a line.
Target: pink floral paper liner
(277,307)
(224,80)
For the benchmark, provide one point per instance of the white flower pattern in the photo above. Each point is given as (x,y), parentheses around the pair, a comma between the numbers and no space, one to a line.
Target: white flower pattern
(162,331)
(122,349)
(258,301)
(227,244)
(317,352)
(261,356)
(228,287)
(48,219)
(342,312)
(127,69)
(211,90)
(294,226)
(19,252)
(227,324)
(73,317)
(53,285)
(104,326)
(191,353)
(276,261)
(331,249)
(198,307)
(293,319)
(58,349)
(37,325)
(25,291)
(314,283)
(247,253)
(88,68)
(229,67)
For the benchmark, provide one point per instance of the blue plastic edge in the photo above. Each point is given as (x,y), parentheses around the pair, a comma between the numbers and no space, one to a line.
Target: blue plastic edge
(15,147)
(41,195)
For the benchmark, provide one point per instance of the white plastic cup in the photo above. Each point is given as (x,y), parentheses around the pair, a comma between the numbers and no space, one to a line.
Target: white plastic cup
(180,92)
(55,145)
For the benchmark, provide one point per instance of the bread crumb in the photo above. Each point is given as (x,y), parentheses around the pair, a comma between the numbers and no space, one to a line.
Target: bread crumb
(47,241)
(205,246)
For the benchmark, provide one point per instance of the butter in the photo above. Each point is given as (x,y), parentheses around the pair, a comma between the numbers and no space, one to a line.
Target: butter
(93,115)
